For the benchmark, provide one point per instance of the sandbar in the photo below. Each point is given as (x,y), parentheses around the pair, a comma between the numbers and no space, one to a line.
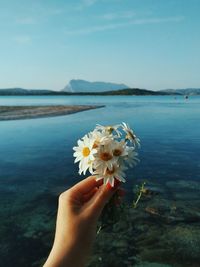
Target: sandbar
(33,112)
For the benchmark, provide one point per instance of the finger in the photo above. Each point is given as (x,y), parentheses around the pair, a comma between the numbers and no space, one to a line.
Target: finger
(102,197)
(86,185)
(89,195)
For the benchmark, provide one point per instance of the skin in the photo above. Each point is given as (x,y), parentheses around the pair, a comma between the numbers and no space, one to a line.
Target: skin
(79,209)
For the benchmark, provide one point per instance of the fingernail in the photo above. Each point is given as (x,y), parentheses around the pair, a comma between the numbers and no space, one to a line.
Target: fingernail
(109,187)
(116,184)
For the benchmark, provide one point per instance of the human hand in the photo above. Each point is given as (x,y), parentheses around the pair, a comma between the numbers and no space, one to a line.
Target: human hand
(78,212)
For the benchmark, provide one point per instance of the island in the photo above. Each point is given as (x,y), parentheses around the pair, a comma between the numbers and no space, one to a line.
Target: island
(32,112)
(83,87)
(43,92)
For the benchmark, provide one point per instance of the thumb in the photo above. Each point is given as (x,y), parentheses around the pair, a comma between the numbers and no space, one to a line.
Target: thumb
(102,197)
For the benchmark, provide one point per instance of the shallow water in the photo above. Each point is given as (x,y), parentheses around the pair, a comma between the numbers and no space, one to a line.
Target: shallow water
(36,164)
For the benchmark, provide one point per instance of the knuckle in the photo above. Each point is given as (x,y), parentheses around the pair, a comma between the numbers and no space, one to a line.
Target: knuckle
(63,196)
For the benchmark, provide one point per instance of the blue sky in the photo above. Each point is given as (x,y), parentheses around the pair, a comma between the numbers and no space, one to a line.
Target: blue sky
(153,44)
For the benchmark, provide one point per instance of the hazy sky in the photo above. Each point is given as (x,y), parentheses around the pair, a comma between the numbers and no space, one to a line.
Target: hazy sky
(151,44)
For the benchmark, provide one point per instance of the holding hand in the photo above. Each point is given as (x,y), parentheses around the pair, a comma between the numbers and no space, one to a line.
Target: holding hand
(78,212)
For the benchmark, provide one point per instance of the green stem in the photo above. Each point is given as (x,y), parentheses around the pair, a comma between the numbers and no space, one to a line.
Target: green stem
(139,196)
(99,230)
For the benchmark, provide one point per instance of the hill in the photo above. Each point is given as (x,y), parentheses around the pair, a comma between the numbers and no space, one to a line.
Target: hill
(21,91)
(130,91)
(186,91)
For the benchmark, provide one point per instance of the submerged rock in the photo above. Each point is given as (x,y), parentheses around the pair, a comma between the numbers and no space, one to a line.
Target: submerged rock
(184,184)
(186,243)
(152,264)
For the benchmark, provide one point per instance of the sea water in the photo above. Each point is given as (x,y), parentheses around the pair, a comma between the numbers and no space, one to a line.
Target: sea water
(36,164)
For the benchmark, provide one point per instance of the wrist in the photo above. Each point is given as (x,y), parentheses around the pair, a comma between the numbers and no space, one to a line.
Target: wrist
(64,255)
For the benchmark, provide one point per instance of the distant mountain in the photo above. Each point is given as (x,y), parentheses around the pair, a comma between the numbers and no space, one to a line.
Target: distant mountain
(129,91)
(13,91)
(124,91)
(81,86)
(21,91)
(186,91)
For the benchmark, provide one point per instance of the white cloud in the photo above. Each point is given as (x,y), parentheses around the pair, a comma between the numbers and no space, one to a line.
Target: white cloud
(158,20)
(94,29)
(22,39)
(89,2)
(113,26)
(26,21)
(55,11)
(85,3)
(120,15)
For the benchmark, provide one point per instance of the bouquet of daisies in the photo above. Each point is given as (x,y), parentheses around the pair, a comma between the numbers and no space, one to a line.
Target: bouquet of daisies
(107,152)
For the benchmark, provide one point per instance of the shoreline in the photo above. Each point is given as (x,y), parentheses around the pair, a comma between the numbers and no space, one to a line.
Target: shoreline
(34,112)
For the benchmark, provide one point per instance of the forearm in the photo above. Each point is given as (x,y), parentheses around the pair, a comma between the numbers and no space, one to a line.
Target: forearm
(72,250)
(68,257)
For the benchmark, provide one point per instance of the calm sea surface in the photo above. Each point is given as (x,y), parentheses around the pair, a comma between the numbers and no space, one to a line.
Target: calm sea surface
(36,164)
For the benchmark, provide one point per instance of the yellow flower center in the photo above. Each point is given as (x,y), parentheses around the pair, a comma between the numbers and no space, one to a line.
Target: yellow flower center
(117,152)
(105,156)
(109,129)
(86,151)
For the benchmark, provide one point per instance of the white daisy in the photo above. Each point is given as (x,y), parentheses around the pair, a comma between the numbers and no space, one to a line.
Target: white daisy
(130,135)
(131,159)
(110,129)
(84,153)
(119,148)
(110,174)
(104,158)
(100,138)
(106,153)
